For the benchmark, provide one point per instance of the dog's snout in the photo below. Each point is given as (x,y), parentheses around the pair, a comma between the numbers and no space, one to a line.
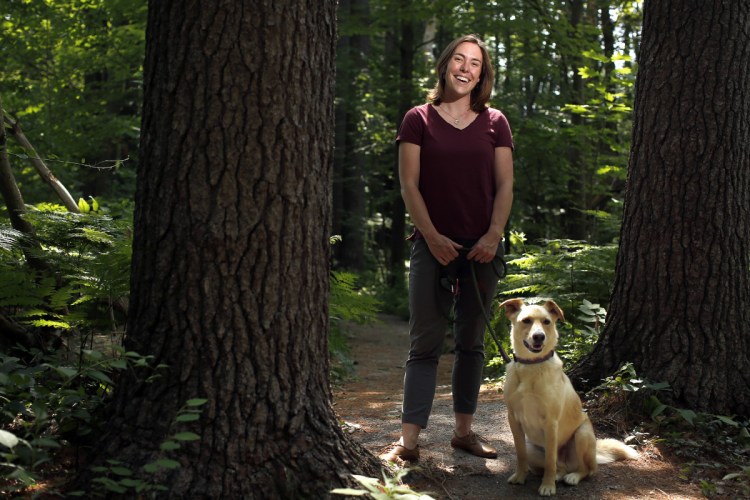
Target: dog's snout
(538,337)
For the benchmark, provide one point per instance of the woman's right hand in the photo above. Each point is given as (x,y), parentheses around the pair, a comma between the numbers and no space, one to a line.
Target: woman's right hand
(444,249)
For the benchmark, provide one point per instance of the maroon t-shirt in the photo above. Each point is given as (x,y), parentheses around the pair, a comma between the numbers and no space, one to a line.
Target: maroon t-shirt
(456,169)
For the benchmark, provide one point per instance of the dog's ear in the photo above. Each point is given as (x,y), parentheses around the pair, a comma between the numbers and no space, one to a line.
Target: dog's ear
(554,309)
(512,307)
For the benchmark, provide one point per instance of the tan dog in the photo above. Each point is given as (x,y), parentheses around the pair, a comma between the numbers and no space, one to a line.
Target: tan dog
(550,430)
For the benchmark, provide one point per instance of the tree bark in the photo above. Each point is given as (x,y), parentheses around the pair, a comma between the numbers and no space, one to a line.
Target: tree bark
(680,307)
(230,255)
(9,187)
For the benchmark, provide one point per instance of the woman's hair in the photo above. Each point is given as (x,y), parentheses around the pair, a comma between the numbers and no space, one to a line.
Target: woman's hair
(481,93)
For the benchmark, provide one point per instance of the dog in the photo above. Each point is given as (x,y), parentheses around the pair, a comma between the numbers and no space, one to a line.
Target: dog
(551,432)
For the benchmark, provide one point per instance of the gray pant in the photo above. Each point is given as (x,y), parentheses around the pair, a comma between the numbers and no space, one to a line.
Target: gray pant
(430,304)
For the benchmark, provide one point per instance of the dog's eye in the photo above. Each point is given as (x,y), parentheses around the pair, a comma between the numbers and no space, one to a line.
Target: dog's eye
(547,322)
(527,321)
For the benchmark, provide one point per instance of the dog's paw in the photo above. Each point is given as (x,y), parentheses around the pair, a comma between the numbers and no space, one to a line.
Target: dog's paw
(547,490)
(517,478)
(573,478)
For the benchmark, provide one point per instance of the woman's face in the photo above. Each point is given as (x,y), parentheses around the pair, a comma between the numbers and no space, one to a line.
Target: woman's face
(464,69)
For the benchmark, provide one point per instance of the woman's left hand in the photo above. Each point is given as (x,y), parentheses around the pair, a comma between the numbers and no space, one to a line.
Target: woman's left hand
(484,250)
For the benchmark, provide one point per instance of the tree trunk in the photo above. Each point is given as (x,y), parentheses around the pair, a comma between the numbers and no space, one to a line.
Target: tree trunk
(15,205)
(230,255)
(680,307)
(573,218)
(350,161)
(9,187)
(407,47)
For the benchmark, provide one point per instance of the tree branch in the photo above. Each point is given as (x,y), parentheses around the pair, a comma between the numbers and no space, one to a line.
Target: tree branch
(44,172)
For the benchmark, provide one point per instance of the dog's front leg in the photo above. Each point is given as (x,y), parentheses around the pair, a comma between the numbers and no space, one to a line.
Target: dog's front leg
(519,440)
(548,486)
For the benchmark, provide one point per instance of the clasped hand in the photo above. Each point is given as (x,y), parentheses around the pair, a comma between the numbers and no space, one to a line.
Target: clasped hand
(445,250)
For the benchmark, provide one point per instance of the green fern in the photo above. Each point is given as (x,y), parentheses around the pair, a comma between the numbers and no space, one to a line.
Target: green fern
(87,266)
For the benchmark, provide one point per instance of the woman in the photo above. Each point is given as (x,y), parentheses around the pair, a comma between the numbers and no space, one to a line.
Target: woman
(456,172)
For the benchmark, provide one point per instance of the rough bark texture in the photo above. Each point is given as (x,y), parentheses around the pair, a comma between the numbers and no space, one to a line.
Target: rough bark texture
(230,256)
(680,308)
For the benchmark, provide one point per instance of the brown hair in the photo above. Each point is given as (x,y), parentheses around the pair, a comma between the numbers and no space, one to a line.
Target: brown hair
(481,93)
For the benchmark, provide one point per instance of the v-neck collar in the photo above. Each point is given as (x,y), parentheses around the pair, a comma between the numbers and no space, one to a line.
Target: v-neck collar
(435,110)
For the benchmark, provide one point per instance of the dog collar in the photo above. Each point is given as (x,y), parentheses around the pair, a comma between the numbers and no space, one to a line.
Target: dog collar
(535,360)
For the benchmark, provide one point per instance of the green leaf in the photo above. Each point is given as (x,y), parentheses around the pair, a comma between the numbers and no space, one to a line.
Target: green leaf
(46,443)
(727,420)
(121,471)
(196,402)
(119,364)
(187,417)
(131,483)
(151,468)
(83,206)
(688,415)
(8,439)
(372,484)
(186,436)
(595,56)
(100,376)
(658,410)
(169,446)
(167,463)
(67,372)
(48,323)
(657,386)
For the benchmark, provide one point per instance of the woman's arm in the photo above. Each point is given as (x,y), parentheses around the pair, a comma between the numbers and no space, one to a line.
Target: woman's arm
(484,250)
(442,248)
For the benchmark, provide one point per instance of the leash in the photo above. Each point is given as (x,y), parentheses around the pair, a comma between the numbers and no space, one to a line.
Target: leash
(453,287)
(486,316)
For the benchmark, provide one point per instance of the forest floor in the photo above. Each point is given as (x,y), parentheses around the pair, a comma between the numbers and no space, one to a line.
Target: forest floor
(369,407)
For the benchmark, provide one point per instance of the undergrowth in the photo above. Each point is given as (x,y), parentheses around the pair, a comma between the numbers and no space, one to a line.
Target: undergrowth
(71,308)
(67,314)
(712,449)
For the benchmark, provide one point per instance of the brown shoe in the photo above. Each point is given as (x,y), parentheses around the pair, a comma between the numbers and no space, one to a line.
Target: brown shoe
(474,445)
(400,452)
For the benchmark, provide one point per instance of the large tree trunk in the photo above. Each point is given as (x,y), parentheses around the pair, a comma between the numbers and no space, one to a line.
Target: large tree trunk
(230,255)
(680,307)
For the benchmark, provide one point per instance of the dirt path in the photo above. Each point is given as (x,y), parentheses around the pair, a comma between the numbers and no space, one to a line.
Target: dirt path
(370,405)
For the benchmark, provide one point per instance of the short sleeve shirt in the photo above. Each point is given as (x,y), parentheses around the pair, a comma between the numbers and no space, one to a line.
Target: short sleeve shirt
(456,172)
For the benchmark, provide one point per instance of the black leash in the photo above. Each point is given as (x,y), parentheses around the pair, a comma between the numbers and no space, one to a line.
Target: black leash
(487,319)
(446,283)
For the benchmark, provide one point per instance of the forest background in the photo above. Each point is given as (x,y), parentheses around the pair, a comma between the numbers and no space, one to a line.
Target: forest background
(72,86)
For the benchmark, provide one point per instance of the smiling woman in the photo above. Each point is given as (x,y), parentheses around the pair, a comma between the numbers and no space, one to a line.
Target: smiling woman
(456,173)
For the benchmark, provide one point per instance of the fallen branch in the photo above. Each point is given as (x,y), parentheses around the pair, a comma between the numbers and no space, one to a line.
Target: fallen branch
(44,172)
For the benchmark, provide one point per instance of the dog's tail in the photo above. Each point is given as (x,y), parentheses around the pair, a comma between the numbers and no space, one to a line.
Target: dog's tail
(612,450)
